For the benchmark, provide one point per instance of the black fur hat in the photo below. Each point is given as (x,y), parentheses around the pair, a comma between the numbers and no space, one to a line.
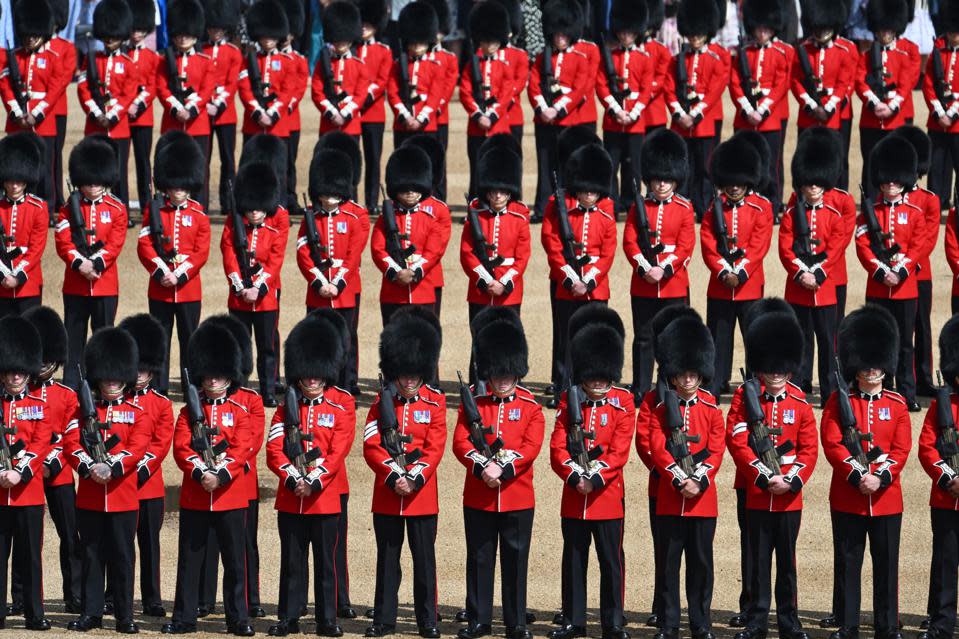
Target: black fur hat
(489,22)
(572,138)
(338,322)
(331,173)
(409,345)
(818,15)
(20,346)
(920,142)
(763,13)
(375,13)
(342,22)
(698,17)
(242,336)
(947,20)
(758,142)
(664,157)
(33,18)
(151,340)
(111,355)
(892,15)
(222,14)
(656,14)
(214,352)
(144,15)
(313,349)
(562,16)
(596,353)
(437,154)
(501,350)
(515,12)
(628,15)
(185,17)
(266,148)
(409,169)
(736,162)
(267,19)
(685,344)
(295,16)
(112,20)
(817,160)
(418,23)
(499,170)
(893,159)
(256,189)
(665,317)
(339,141)
(949,351)
(93,161)
(491,314)
(61,13)
(595,313)
(588,169)
(868,338)
(774,343)
(504,141)
(179,163)
(442,9)
(53,334)
(765,305)
(423,313)
(19,159)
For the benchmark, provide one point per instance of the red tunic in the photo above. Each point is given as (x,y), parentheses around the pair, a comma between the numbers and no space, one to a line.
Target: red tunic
(423,231)
(634,67)
(350,78)
(267,251)
(32,419)
(708,76)
(644,416)
(198,76)
(301,75)
(750,225)
(451,73)
(227,64)
(379,62)
(932,460)
(188,230)
(508,232)
(911,50)
(159,413)
(278,81)
(571,70)
(952,249)
(833,71)
(427,86)
(586,113)
(144,63)
(67,59)
(343,234)
(950,60)
(827,234)
(655,114)
(897,69)
(906,226)
(769,67)
(62,404)
(25,222)
(929,203)
(672,225)
(782,109)
(45,77)
(496,86)
(107,218)
(441,211)
(518,61)
(118,84)
(596,231)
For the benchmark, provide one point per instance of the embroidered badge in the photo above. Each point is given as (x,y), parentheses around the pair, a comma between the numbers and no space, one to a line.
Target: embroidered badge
(341,227)
(226,419)
(603,419)
(421,416)
(514,414)
(885,414)
(789,416)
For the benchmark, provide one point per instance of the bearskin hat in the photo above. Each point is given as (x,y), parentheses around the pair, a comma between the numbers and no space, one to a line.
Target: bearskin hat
(338,322)
(93,161)
(295,16)
(339,141)
(562,16)
(774,343)
(949,351)
(33,18)
(20,346)
(766,305)
(588,169)
(313,349)
(144,15)
(256,189)
(214,352)
(267,19)
(685,344)
(185,17)
(894,159)
(111,355)
(409,345)
(665,317)
(491,314)
(266,148)
(595,313)
(374,13)
(515,12)
(442,9)
(222,14)
(819,15)
(868,338)
(19,159)
(424,313)
(61,13)
(53,334)
(501,350)
(572,138)
(242,336)
(504,141)
(656,14)
(409,169)
(596,353)
(763,13)
(499,170)
(418,23)
(758,142)
(489,22)
(151,339)
(331,173)
(817,160)
(437,154)
(179,163)
(628,15)
(698,17)
(891,15)
(920,142)
(664,157)
(947,20)
(112,20)
(736,162)
(341,22)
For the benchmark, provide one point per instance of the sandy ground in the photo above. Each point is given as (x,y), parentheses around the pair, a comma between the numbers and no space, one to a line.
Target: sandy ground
(814,552)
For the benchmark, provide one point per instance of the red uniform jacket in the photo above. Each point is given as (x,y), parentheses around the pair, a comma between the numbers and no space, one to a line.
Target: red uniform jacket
(144,62)
(61,404)
(25,222)
(67,59)
(833,72)
(794,416)
(911,50)
(253,403)
(107,218)
(655,113)
(571,70)
(845,110)
(233,423)
(634,72)
(950,60)
(929,203)
(672,225)
(586,113)
(518,61)
(351,81)
(596,230)
(934,462)
(708,76)
(227,64)
(422,229)
(451,73)
(843,202)
(378,59)
(31,417)
(644,414)
(770,76)
(906,226)
(198,79)
(700,417)
(508,233)
(427,84)
(782,109)
(827,235)
(444,220)
(331,420)
(897,69)
(887,418)
(424,419)
(716,47)
(118,85)
(187,230)
(267,251)
(517,420)
(497,86)
(134,428)
(343,235)
(301,75)
(45,77)
(749,225)
(159,412)
(613,426)
(951,242)
(278,83)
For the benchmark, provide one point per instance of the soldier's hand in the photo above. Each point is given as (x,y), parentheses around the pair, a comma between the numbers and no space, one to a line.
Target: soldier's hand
(337,119)
(210,482)
(495,288)
(623,118)
(485,123)
(182,115)
(808,281)
(945,122)
(869,484)
(690,488)
(250,295)
(5,479)
(402,487)
(100,473)
(103,121)
(953,487)
(754,118)
(584,487)
(86,268)
(731,280)
(882,111)
(778,485)
(820,114)
(211,109)
(891,280)
(169,280)
(548,114)
(405,276)
(9,282)
(494,483)
(302,489)
(492,472)
(46,471)
(579,289)
(329,291)
(654,275)
(264,120)
(687,121)
(29,120)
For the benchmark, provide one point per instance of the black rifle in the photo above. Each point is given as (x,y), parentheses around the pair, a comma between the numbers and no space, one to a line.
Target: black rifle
(79,232)
(8,450)
(760,434)
(685,95)
(723,239)
(877,237)
(294,437)
(947,439)
(8,255)
(158,236)
(876,76)
(809,80)
(476,79)
(406,93)
(319,252)
(91,426)
(330,86)
(16,82)
(851,437)
(241,243)
(200,431)
(548,85)
(576,435)
(260,90)
(679,439)
(98,93)
(617,84)
(481,248)
(478,431)
(174,82)
(749,85)
(644,234)
(566,237)
(943,91)
(394,239)
(390,438)
(803,242)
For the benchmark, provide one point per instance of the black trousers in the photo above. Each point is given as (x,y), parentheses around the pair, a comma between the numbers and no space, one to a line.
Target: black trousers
(18,305)
(229,526)
(148,542)
(252,555)
(904,312)
(578,534)
(698,188)
(925,339)
(61,502)
(46,187)
(203,197)
(473,144)
(122,188)
(657,608)
(745,556)
(841,290)
(472,311)
(780,163)
(389,531)
(21,529)
(297,534)
(61,139)
(512,531)
(845,133)
(692,537)
(868,138)
(771,532)
(883,535)
(387,310)
(944,164)
(644,309)
(342,565)
(838,581)
(80,314)
(372,137)
(443,135)
(547,162)
(226,144)
(553,369)
(187,318)
(292,150)
(517,133)
(721,318)
(141,139)
(263,326)
(944,571)
(108,549)
(818,322)
(624,150)
(564,310)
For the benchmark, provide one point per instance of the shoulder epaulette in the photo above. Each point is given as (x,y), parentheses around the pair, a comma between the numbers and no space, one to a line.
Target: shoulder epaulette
(238,404)
(798,398)
(894,396)
(249,390)
(112,199)
(159,394)
(343,390)
(35,199)
(132,405)
(434,389)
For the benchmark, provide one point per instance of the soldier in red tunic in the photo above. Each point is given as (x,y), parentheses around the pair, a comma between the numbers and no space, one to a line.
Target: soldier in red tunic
(143,62)
(266,104)
(942,99)
(450,64)
(378,61)
(300,78)
(518,61)
(348,74)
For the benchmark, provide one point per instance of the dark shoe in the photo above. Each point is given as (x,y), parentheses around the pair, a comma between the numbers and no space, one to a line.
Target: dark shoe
(154,610)
(931,634)
(913,406)
(369,613)
(346,612)
(567,632)
(559,619)
(257,612)
(379,630)
(751,633)
(429,632)
(3,623)
(15,609)
(829,622)
(242,630)
(550,389)
(128,628)
(85,623)
(615,632)
(460,616)
(704,635)
(284,628)
(737,621)
(536,218)
(474,631)
(177,628)
(799,634)
(530,618)
(108,608)
(924,624)
(652,621)
(662,633)
(40,624)
(72,606)
(895,634)
(551,403)
(330,629)
(203,611)
(518,633)
(845,633)
(270,402)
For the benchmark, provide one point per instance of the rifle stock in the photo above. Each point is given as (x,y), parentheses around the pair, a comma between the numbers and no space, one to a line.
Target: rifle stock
(474,421)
